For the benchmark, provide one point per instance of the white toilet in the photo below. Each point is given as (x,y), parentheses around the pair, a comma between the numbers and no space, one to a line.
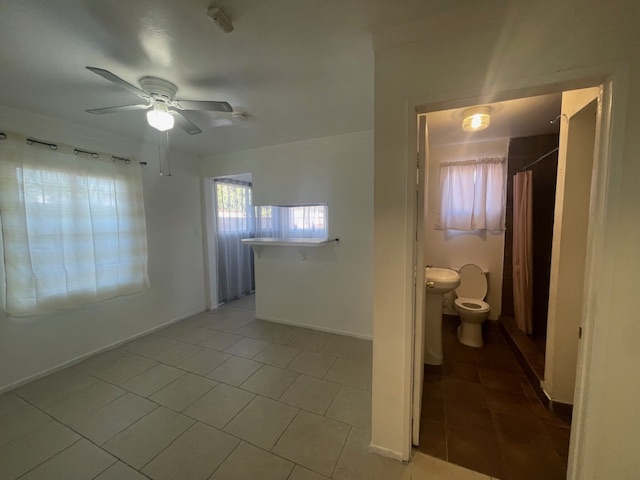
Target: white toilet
(470,304)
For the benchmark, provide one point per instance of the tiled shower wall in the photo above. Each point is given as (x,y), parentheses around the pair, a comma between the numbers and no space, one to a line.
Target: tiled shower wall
(523,151)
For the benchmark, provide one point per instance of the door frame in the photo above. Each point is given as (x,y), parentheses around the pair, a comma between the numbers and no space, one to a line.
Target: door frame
(606,174)
(210,246)
(419,279)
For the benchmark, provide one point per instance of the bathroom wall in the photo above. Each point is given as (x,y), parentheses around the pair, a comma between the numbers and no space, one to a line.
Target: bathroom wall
(449,248)
(331,288)
(32,346)
(522,152)
(570,233)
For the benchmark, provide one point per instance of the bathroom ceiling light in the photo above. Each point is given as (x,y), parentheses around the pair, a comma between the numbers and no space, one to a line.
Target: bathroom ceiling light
(476,118)
(159,117)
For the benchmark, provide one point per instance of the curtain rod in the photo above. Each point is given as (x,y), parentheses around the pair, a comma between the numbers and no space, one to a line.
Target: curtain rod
(76,151)
(541,158)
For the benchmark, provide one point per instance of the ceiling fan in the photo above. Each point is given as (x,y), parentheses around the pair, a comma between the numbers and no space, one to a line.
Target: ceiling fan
(163,108)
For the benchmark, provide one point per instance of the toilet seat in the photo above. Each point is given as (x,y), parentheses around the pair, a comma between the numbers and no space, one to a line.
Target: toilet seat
(473,282)
(472,304)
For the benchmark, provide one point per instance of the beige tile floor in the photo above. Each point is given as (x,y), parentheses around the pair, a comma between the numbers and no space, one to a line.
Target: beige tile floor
(218,396)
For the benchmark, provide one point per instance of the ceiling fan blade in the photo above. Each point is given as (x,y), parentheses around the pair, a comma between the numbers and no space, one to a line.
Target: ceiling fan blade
(186,124)
(206,106)
(118,81)
(122,108)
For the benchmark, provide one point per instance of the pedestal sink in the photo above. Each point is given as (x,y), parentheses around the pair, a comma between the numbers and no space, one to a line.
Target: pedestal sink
(438,281)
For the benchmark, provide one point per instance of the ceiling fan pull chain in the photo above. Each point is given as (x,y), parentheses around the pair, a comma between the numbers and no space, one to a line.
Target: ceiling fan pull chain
(159,154)
(169,174)
(163,151)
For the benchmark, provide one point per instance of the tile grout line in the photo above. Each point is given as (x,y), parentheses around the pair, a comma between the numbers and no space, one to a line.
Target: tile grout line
(88,439)
(225,458)
(21,395)
(287,459)
(283,432)
(344,444)
(196,421)
(500,446)
(324,377)
(125,390)
(335,395)
(95,375)
(205,377)
(55,455)
(171,443)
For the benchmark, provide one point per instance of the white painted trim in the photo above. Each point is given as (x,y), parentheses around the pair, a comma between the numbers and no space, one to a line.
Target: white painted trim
(419,300)
(385,452)
(314,327)
(597,291)
(598,294)
(209,244)
(74,361)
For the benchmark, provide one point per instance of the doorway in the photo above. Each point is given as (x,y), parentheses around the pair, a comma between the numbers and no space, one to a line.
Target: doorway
(230,218)
(592,128)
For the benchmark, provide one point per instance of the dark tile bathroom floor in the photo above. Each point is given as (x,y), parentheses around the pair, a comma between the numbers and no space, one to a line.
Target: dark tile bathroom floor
(480,411)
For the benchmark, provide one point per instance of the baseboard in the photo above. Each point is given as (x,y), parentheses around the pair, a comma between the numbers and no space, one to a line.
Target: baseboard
(560,409)
(314,327)
(385,452)
(81,358)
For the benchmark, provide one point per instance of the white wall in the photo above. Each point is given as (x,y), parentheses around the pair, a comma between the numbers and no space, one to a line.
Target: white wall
(33,345)
(474,53)
(570,230)
(331,289)
(453,249)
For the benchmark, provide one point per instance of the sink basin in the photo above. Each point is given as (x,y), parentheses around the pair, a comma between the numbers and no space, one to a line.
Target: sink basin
(441,280)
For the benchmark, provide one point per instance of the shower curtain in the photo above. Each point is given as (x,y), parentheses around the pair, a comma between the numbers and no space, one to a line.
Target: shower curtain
(522,250)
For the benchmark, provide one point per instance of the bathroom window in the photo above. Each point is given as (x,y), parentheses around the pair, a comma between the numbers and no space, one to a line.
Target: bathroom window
(472,195)
(295,221)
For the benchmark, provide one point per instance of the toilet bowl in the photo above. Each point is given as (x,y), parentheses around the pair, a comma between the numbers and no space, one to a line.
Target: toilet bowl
(470,304)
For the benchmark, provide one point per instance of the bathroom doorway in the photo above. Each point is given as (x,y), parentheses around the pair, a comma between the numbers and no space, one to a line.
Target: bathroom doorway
(432,410)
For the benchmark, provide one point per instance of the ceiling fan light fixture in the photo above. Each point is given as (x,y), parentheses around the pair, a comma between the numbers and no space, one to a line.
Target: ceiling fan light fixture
(476,118)
(159,117)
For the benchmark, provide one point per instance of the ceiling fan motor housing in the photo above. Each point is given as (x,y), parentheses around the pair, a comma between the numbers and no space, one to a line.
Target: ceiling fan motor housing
(158,88)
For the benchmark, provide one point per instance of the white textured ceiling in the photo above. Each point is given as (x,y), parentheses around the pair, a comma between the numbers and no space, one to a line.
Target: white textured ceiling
(299,68)
(524,117)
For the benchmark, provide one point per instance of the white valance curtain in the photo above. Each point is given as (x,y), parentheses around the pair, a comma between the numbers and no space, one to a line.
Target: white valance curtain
(73,227)
(472,195)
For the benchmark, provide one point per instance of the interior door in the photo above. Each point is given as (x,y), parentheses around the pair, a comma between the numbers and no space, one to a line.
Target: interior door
(418,287)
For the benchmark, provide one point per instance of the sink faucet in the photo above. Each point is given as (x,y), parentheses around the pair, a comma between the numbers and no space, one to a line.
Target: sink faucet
(429,266)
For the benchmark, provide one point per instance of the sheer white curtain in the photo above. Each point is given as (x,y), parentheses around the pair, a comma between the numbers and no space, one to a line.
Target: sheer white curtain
(235,221)
(73,228)
(472,195)
(303,221)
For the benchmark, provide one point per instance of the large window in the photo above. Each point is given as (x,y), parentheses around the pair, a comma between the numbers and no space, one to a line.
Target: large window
(472,195)
(73,228)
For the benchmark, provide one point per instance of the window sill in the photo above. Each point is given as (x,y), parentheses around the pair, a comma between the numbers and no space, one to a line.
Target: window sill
(258,244)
